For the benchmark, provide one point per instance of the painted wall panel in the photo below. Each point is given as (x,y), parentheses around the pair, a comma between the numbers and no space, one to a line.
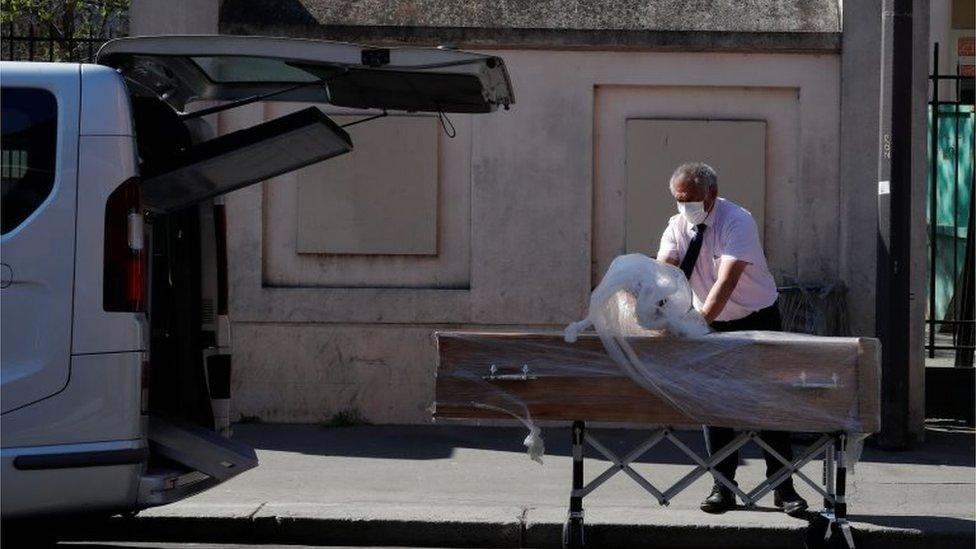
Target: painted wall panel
(736,149)
(380,199)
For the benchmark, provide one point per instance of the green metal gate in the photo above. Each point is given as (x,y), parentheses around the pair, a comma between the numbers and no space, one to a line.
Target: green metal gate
(950,196)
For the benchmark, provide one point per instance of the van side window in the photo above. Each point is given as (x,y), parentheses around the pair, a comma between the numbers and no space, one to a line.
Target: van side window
(28,151)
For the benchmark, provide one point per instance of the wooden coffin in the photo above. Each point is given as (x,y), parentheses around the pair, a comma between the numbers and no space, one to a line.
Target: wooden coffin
(821,384)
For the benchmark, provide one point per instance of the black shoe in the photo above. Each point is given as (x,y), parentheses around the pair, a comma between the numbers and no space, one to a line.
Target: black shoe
(719,501)
(789,501)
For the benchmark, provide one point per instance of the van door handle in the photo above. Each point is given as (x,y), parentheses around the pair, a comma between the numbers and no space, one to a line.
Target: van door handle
(6,275)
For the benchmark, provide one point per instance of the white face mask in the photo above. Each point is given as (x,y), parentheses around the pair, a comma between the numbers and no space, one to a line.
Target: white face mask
(693,212)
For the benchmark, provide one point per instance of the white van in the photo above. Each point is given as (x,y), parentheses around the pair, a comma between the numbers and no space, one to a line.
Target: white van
(113,308)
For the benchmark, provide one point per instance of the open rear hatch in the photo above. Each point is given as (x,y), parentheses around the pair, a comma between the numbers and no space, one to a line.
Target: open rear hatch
(180,70)
(241,158)
(183,69)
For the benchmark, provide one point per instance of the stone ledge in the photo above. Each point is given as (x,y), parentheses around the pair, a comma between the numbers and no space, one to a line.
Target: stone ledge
(655,15)
(557,39)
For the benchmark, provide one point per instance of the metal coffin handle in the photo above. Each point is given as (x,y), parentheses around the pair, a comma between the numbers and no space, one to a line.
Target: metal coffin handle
(493,375)
(806,383)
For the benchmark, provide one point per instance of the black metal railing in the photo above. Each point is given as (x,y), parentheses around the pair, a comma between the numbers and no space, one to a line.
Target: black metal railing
(959,317)
(28,42)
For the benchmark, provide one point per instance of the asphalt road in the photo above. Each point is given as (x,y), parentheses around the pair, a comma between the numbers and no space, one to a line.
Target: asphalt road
(141,545)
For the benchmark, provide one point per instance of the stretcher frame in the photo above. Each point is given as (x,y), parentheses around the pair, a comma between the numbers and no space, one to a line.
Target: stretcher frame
(830,521)
(466,366)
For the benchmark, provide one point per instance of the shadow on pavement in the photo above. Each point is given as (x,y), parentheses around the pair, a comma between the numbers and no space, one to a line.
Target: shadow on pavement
(440,441)
(941,447)
(923,523)
(946,443)
(113,545)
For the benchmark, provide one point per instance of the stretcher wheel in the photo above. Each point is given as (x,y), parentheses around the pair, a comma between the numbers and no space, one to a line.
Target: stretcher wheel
(573,534)
(816,536)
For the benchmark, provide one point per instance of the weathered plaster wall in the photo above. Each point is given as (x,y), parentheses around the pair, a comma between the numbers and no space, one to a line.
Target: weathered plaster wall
(919,246)
(858,220)
(668,15)
(860,143)
(940,30)
(303,353)
(173,17)
(728,25)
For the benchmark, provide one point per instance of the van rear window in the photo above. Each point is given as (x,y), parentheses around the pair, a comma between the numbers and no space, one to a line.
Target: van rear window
(28,151)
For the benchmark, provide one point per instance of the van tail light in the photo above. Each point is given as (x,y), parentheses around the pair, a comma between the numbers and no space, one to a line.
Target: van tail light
(125,270)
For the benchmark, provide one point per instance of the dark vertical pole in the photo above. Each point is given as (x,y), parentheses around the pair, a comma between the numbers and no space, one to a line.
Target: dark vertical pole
(829,480)
(955,212)
(575,525)
(933,196)
(966,355)
(966,298)
(840,510)
(894,220)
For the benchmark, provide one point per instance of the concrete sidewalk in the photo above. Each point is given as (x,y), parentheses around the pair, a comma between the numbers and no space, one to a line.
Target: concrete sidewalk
(448,485)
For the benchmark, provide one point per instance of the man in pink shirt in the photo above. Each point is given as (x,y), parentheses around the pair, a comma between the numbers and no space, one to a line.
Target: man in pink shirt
(716,243)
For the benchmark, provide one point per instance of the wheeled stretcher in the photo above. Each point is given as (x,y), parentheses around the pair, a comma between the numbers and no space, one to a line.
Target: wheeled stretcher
(784,382)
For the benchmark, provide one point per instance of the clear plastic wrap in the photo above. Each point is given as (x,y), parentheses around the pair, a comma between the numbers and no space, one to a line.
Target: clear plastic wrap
(638,296)
(655,362)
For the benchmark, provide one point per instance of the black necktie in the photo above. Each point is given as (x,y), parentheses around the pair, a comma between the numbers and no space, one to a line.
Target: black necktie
(688,263)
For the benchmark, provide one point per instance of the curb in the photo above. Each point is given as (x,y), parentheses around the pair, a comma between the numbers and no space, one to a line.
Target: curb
(309,531)
(514,534)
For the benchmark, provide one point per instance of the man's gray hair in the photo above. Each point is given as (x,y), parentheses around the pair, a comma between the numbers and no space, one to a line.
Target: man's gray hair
(699,174)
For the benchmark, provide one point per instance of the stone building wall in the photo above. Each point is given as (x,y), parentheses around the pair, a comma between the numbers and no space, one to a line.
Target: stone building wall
(535,189)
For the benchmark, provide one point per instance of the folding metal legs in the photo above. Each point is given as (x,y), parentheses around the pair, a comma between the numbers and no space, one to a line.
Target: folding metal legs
(790,468)
(573,530)
(840,508)
(830,528)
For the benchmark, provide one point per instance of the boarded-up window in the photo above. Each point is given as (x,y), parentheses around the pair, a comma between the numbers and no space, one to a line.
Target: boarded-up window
(735,148)
(380,199)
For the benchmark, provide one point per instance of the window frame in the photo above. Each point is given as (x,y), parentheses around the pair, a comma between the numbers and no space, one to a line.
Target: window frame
(45,98)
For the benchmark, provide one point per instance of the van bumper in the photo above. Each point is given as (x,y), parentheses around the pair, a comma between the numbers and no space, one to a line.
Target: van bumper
(159,486)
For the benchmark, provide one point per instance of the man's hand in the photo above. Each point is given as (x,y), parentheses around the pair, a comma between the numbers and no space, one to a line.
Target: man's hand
(729,272)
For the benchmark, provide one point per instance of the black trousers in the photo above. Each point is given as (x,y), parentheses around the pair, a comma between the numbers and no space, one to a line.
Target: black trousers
(718,437)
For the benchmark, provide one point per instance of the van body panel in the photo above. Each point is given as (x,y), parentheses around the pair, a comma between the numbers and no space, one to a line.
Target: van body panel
(184,69)
(105,162)
(69,490)
(85,411)
(86,425)
(36,314)
(105,108)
